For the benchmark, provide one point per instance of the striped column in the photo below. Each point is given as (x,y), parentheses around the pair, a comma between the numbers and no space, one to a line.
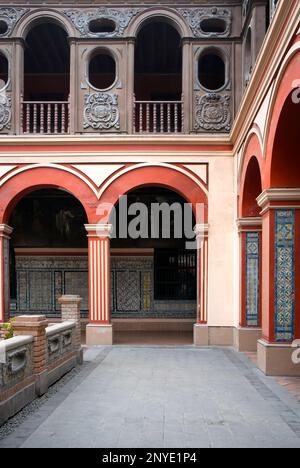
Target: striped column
(99,273)
(5,232)
(250,230)
(201,232)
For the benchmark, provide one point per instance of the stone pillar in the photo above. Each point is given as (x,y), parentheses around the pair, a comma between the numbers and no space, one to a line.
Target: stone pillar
(201,331)
(70,310)
(99,330)
(187,86)
(249,330)
(130,86)
(35,325)
(18,84)
(5,232)
(281,281)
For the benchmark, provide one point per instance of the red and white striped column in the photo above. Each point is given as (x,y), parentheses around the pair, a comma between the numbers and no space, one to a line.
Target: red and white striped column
(5,232)
(99,330)
(201,328)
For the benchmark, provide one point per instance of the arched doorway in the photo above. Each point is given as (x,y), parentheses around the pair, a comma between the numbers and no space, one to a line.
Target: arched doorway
(48,253)
(46,80)
(158,78)
(153,274)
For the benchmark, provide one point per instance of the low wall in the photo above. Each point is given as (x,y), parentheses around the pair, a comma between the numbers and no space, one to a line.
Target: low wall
(37,357)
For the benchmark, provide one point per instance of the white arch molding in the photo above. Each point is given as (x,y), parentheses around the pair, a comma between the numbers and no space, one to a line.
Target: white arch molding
(108,182)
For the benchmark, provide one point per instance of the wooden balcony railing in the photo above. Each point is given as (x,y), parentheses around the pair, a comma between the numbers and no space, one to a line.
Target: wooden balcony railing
(45,117)
(158,117)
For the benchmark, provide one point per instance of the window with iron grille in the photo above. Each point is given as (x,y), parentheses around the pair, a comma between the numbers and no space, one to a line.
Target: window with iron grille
(175,274)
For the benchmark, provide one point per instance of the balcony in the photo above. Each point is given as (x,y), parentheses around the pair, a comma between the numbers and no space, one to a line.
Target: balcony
(158,117)
(45,117)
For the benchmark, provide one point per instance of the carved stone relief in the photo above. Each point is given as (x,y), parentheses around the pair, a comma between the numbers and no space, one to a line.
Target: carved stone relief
(213,113)
(11,16)
(195,16)
(121,18)
(101,111)
(5,112)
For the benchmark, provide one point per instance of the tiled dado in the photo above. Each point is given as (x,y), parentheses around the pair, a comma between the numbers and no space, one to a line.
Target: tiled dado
(42,280)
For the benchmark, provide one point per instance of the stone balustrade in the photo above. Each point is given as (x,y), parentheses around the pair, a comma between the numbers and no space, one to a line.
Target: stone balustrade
(36,357)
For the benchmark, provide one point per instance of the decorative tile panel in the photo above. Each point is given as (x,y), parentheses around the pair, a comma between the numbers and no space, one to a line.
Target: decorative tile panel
(284,275)
(42,280)
(252,278)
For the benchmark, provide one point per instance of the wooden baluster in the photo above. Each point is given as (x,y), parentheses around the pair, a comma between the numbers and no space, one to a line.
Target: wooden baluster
(176,118)
(155,118)
(55,118)
(27,118)
(63,118)
(68,117)
(182,114)
(48,118)
(34,118)
(42,119)
(148,117)
(162,118)
(141,118)
(134,116)
(169,117)
(22,116)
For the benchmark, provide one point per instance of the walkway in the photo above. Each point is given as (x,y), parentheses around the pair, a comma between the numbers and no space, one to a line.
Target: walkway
(164,397)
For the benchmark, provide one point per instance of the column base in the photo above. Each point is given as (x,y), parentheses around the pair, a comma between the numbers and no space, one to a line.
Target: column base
(276,360)
(201,335)
(245,339)
(99,335)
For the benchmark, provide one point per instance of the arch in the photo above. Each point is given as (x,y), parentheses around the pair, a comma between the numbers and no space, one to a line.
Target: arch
(287,80)
(253,146)
(252,188)
(149,175)
(42,16)
(40,177)
(250,176)
(168,15)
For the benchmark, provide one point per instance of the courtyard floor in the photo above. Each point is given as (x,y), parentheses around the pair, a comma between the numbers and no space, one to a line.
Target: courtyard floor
(163,397)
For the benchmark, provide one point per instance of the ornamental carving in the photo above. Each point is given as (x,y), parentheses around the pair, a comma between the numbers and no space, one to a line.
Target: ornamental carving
(5,112)
(213,113)
(101,111)
(11,16)
(195,16)
(121,18)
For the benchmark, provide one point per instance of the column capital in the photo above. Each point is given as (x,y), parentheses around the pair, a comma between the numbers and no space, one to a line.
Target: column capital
(102,231)
(5,230)
(249,224)
(201,230)
(275,198)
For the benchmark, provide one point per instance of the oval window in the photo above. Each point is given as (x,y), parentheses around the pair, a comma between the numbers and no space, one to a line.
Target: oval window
(102,70)
(211,71)
(3,27)
(3,71)
(213,25)
(102,26)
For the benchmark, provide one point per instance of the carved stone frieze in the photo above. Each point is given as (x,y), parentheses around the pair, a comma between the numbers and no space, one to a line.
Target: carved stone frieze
(195,16)
(101,111)
(121,18)
(5,112)
(213,113)
(11,16)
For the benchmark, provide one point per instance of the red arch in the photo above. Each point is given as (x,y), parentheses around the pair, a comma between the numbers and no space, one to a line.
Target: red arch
(291,74)
(159,176)
(38,178)
(251,177)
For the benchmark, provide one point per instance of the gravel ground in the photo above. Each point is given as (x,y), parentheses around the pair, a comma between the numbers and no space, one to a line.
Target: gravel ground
(12,424)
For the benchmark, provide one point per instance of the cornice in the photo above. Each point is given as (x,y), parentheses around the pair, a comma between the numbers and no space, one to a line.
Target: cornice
(249,222)
(102,231)
(278,195)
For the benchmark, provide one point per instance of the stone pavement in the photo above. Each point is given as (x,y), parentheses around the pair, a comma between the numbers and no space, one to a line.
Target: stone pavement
(155,397)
